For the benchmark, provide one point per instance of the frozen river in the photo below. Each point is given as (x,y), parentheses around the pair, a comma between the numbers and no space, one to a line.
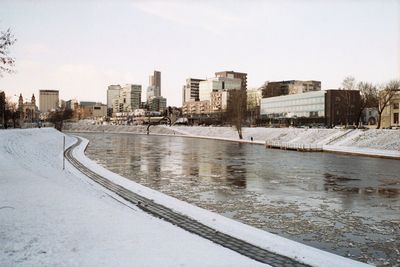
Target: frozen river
(343,204)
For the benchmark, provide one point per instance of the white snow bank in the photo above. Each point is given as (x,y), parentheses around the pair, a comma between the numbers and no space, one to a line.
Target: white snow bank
(51,217)
(371,142)
(271,242)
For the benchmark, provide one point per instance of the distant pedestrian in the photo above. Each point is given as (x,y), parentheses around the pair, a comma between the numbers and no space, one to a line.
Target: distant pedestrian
(251,138)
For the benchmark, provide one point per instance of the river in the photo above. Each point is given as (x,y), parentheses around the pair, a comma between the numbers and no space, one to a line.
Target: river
(348,205)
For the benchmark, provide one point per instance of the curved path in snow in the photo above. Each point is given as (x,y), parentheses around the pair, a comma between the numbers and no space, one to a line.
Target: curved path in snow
(183,221)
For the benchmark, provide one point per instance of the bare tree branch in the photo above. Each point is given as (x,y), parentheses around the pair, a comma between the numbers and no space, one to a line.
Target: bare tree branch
(236,109)
(384,97)
(6,62)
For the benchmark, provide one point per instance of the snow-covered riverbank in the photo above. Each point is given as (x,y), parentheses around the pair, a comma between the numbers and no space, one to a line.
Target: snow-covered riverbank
(51,216)
(382,143)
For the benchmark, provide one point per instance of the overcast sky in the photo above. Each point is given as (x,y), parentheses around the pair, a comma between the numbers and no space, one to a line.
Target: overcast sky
(81,47)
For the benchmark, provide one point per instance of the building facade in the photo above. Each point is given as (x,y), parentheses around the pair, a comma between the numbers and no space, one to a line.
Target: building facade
(129,98)
(254,97)
(196,107)
(92,110)
(157,103)
(232,74)
(217,84)
(310,104)
(112,93)
(72,104)
(219,101)
(29,112)
(342,107)
(191,90)
(370,116)
(154,89)
(334,107)
(290,87)
(48,100)
(390,115)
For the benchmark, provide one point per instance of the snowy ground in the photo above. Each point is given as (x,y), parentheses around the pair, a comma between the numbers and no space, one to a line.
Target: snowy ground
(365,142)
(50,217)
(55,217)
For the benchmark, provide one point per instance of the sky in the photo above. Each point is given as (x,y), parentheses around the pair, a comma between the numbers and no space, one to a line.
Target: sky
(81,47)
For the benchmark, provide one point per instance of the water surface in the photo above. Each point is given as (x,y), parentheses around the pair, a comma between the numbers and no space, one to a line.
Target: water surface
(348,205)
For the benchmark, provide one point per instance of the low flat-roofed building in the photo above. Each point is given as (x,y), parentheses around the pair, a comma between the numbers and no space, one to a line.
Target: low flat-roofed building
(92,109)
(336,107)
(310,104)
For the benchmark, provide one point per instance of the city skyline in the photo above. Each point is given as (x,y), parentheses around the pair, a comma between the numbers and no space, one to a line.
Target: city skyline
(82,48)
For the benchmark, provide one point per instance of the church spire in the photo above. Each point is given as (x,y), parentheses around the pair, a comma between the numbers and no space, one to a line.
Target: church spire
(20,101)
(33,100)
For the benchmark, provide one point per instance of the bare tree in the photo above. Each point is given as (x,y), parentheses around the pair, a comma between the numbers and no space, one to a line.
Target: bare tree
(368,93)
(384,96)
(2,107)
(57,117)
(6,62)
(348,84)
(236,109)
(11,112)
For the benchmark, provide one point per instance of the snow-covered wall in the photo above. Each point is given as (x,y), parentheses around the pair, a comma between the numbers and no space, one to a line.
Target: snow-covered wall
(351,141)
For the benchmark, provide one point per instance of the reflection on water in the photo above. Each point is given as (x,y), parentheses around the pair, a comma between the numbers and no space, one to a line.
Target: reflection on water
(343,204)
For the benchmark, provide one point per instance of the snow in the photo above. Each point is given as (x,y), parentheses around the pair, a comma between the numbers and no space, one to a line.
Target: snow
(55,217)
(263,239)
(372,142)
(51,217)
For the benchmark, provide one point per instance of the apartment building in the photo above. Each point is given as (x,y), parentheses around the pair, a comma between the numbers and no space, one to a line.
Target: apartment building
(48,100)
(129,98)
(191,90)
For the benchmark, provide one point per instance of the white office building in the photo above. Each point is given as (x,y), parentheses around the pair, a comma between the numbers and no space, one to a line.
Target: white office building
(217,84)
(129,98)
(311,104)
(112,93)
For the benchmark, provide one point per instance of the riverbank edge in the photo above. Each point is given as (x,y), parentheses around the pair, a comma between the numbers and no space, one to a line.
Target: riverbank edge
(263,239)
(354,151)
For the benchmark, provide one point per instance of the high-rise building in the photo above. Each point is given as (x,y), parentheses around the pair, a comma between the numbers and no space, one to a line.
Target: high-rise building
(232,74)
(191,90)
(112,92)
(48,100)
(129,98)
(217,84)
(157,103)
(154,89)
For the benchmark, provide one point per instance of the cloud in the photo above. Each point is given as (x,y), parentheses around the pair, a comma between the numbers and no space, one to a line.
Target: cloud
(205,16)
